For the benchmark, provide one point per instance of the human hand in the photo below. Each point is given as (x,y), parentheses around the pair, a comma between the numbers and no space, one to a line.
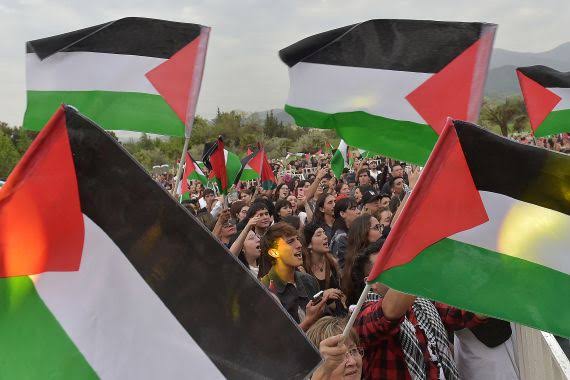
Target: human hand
(414,176)
(333,294)
(253,221)
(313,311)
(333,350)
(322,173)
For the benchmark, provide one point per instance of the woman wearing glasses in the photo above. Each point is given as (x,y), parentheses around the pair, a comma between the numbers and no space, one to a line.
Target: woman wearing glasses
(342,358)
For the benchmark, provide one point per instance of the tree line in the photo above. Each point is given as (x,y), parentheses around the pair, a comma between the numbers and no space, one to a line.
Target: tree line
(241,130)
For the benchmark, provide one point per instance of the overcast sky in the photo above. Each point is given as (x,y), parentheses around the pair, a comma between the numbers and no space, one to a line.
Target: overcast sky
(243,70)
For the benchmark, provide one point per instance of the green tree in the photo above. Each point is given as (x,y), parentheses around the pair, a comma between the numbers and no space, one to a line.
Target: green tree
(507,116)
(9,155)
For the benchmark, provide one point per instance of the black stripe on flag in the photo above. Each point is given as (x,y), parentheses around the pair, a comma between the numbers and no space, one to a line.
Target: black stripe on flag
(524,172)
(131,35)
(404,45)
(546,76)
(236,322)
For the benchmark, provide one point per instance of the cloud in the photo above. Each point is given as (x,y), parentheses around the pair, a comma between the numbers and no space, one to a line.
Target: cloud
(243,70)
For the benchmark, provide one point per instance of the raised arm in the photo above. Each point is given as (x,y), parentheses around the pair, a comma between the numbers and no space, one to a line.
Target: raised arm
(236,247)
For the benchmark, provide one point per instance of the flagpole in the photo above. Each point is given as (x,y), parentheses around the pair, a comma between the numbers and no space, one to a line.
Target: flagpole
(355,312)
(180,166)
(193,98)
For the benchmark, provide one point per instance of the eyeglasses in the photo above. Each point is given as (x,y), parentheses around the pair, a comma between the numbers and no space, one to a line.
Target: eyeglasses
(355,352)
(377,227)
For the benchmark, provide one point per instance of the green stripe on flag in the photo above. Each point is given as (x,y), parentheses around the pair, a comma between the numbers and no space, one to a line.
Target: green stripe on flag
(556,122)
(34,345)
(127,111)
(487,282)
(402,140)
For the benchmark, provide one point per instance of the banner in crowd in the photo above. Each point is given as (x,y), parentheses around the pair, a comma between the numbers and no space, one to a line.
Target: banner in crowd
(546,94)
(388,86)
(135,74)
(486,230)
(123,282)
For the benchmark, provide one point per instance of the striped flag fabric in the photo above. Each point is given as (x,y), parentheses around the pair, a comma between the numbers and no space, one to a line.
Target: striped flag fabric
(486,230)
(546,94)
(388,86)
(251,166)
(224,165)
(104,275)
(339,160)
(256,165)
(135,74)
(192,171)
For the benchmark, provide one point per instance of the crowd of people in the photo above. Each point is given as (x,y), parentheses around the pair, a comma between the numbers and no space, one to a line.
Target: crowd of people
(313,239)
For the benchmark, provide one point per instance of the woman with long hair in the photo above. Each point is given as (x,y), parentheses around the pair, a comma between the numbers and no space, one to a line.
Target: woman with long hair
(281,191)
(364,230)
(324,213)
(345,211)
(282,209)
(318,260)
(246,246)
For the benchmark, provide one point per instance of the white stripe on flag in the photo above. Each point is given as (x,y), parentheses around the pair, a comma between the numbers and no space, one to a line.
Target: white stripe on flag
(117,321)
(331,89)
(85,71)
(564,93)
(522,230)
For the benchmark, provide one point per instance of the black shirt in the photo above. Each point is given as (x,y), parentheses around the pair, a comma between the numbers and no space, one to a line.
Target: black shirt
(293,297)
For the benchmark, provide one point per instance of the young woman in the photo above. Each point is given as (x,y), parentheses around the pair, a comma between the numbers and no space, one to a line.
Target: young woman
(345,211)
(225,227)
(238,210)
(324,213)
(318,260)
(281,192)
(246,246)
(364,230)
(282,209)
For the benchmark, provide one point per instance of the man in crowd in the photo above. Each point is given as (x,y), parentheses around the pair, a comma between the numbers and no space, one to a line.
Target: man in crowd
(370,202)
(294,289)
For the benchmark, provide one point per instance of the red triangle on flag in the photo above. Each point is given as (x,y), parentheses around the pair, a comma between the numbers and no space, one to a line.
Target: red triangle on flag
(446,190)
(539,101)
(455,91)
(177,79)
(41,223)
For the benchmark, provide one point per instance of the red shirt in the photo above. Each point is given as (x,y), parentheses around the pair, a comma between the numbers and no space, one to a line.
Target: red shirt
(383,357)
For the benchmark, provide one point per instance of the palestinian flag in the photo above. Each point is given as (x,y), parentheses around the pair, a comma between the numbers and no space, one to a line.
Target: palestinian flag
(133,74)
(486,229)
(224,165)
(389,85)
(546,95)
(191,172)
(104,275)
(251,166)
(340,159)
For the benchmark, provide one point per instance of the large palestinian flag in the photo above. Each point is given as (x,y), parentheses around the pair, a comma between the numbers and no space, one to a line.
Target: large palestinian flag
(134,74)
(546,95)
(105,275)
(486,229)
(388,85)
